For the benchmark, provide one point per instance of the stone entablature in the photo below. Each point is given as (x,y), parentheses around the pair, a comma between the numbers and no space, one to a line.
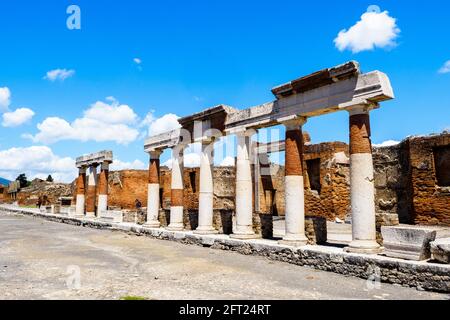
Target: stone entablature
(94,159)
(369,88)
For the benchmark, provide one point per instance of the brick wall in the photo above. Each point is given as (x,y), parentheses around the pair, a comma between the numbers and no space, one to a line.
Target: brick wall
(408,178)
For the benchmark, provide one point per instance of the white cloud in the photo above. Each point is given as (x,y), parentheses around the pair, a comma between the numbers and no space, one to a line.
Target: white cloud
(445,68)
(227,162)
(166,123)
(36,162)
(387,143)
(17,118)
(101,122)
(5,98)
(375,29)
(111,113)
(59,74)
(118,165)
(137,60)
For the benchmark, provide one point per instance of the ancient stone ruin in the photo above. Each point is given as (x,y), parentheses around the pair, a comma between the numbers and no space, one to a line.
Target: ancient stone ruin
(376,189)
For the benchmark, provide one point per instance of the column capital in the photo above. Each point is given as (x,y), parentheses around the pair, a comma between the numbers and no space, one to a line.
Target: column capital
(105,166)
(293,122)
(361,107)
(82,170)
(155,153)
(206,140)
(243,131)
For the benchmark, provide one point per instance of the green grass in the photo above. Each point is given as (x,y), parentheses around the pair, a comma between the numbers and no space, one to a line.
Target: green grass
(129,298)
(29,207)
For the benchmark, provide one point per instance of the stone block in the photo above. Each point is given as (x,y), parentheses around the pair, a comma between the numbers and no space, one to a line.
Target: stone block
(114,216)
(408,242)
(440,250)
(316,229)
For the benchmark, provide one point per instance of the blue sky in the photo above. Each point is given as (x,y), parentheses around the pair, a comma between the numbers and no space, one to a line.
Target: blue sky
(196,54)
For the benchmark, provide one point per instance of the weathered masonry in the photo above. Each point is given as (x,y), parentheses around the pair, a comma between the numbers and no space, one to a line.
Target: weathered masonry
(341,88)
(92,190)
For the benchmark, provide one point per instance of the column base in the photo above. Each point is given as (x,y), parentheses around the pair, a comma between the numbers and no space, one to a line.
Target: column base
(296,241)
(175,227)
(152,224)
(364,247)
(245,236)
(206,231)
(90,215)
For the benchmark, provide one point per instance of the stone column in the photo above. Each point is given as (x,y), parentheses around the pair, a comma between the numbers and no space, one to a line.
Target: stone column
(81,188)
(206,193)
(362,192)
(153,204)
(294,185)
(91,192)
(244,189)
(176,199)
(102,204)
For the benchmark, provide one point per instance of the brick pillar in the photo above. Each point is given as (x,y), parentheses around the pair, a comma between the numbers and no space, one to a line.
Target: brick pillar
(206,194)
(102,204)
(244,188)
(294,185)
(176,199)
(153,204)
(362,191)
(81,190)
(91,192)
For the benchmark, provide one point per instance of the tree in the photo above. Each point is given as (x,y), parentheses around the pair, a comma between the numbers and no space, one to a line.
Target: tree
(22,178)
(49,178)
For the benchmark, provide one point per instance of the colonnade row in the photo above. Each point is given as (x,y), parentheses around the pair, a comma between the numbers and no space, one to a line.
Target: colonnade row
(361,184)
(92,190)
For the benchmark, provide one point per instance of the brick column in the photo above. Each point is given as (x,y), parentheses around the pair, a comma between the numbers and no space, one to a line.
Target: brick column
(91,192)
(176,199)
(362,192)
(81,188)
(294,185)
(153,204)
(206,194)
(102,204)
(244,188)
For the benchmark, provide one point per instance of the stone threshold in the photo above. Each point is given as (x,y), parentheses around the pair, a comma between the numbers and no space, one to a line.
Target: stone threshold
(423,275)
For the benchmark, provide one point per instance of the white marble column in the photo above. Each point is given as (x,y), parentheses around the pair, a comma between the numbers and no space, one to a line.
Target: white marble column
(176,205)
(91,192)
(244,188)
(294,185)
(102,204)
(153,204)
(81,190)
(362,191)
(206,192)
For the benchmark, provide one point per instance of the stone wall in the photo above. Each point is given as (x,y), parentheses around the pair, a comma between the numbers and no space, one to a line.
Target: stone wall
(392,176)
(412,180)
(47,192)
(411,184)
(431,201)
(3,193)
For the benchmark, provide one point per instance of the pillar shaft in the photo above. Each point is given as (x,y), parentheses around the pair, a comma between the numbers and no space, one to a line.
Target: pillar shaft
(102,205)
(153,204)
(81,190)
(362,192)
(91,192)
(294,185)
(176,199)
(206,194)
(244,189)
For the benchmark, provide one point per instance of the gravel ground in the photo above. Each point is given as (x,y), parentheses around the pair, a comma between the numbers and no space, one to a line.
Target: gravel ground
(47,260)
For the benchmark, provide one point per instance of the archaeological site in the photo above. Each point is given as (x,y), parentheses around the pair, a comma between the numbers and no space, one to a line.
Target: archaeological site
(338,206)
